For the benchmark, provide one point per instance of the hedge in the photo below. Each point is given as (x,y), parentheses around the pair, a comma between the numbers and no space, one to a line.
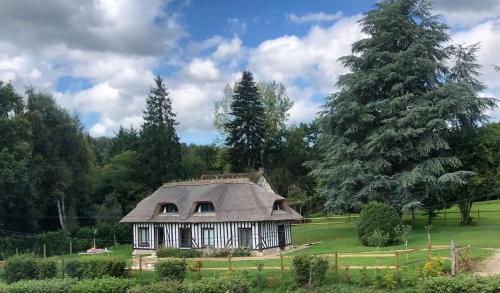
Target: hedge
(40,286)
(176,252)
(228,283)
(57,242)
(461,284)
(172,269)
(309,266)
(93,267)
(27,267)
(104,285)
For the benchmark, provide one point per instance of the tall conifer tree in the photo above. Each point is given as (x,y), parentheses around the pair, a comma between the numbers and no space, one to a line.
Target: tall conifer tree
(160,149)
(247,127)
(385,132)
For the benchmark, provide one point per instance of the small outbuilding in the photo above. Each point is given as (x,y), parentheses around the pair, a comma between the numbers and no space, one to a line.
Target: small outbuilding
(221,211)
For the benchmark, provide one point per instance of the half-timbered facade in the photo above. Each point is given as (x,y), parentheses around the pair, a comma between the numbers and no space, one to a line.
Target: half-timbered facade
(213,212)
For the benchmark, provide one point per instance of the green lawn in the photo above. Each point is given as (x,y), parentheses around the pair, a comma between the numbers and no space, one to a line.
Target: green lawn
(339,235)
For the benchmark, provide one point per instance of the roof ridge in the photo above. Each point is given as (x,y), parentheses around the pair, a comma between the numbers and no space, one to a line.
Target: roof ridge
(208,181)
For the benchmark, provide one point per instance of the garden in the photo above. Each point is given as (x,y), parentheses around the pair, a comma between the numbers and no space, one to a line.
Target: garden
(329,255)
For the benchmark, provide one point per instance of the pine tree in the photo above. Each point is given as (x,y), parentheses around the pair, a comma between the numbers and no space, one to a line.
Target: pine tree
(385,132)
(247,127)
(160,147)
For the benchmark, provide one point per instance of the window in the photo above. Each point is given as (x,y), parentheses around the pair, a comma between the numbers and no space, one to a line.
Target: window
(245,237)
(205,207)
(208,237)
(143,233)
(278,206)
(185,237)
(169,208)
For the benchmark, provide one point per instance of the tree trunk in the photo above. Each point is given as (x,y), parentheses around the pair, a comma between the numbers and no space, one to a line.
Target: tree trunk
(465,206)
(60,213)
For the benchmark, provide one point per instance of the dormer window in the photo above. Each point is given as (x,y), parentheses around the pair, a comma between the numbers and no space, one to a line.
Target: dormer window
(278,206)
(169,208)
(205,207)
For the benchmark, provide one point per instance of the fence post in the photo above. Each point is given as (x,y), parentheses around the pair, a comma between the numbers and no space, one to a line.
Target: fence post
(445,217)
(453,258)
(17,251)
(429,246)
(282,267)
(44,251)
(229,262)
(114,239)
(336,268)
(396,258)
(62,265)
(70,246)
(346,274)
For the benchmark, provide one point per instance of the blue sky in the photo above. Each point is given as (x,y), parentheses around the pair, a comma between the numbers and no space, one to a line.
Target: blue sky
(99,57)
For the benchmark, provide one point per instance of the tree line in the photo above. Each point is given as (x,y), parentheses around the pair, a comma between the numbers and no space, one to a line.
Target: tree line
(407,127)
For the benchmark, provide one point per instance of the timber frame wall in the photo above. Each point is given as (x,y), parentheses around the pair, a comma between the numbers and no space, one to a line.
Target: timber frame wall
(264,234)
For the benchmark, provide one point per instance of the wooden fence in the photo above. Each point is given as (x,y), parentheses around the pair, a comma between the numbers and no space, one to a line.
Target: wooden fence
(443,216)
(339,261)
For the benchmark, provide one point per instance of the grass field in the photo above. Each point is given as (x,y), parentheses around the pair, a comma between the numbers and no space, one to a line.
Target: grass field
(331,235)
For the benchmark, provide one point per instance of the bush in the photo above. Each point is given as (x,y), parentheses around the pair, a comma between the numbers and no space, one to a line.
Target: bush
(40,286)
(225,252)
(308,266)
(377,238)
(91,268)
(28,267)
(433,267)
(103,285)
(461,284)
(46,269)
(378,216)
(172,269)
(160,287)
(227,283)
(176,252)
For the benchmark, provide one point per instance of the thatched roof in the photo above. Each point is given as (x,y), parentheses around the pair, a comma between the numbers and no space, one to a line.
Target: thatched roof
(233,199)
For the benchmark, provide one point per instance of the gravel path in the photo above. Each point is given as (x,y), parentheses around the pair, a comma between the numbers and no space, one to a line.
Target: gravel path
(490,266)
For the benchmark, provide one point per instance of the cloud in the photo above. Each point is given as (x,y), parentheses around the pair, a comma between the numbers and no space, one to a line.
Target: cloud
(464,13)
(199,69)
(314,17)
(236,26)
(227,49)
(312,57)
(115,45)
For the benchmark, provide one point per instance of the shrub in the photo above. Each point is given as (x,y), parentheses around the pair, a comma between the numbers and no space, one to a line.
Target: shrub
(377,238)
(40,286)
(225,252)
(172,269)
(433,267)
(104,285)
(378,216)
(73,269)
(308,266)
(241,251)
(176,252)
(227,283)
(160,287)
(461,284)
(28,267)
(91,268)
(46,269)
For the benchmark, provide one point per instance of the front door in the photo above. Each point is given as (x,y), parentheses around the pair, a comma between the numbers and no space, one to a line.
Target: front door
(281,237)
(160,237)
(185,239)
